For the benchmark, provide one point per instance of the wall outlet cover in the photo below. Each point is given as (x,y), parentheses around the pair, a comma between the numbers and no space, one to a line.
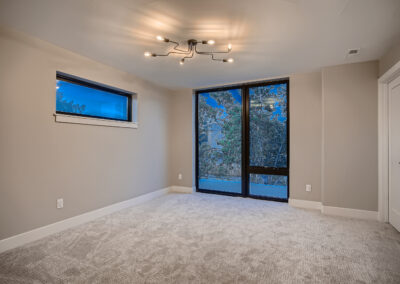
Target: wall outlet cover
(60,203)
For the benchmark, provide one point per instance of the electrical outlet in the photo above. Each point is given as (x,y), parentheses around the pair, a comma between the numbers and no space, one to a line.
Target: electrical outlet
(308,187)
(60,203)
(179,176)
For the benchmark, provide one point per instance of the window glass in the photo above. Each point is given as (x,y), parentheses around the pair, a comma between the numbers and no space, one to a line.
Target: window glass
(220,138)
(268,126)
(273,186)
(76,99)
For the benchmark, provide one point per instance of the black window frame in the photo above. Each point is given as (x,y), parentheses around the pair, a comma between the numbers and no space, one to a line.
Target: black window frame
(246,168)
(98,86)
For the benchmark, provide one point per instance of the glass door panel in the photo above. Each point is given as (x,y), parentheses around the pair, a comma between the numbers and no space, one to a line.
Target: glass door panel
(219,122)
(268,141)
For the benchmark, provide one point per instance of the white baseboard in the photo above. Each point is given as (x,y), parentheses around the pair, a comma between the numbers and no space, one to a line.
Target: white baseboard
(335,211)
(36,234)
(349,212)
(181,189)
(306,204)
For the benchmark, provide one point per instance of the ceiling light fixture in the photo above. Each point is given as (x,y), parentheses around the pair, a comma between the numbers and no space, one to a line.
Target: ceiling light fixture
(191,50)
(160,38)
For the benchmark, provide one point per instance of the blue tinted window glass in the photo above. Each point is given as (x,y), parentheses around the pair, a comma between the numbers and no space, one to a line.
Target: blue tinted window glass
(77,99)
(269,186)
(220,140)
(268,126)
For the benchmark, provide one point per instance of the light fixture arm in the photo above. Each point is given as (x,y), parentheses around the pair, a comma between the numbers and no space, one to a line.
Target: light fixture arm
(177,49)
(189,56)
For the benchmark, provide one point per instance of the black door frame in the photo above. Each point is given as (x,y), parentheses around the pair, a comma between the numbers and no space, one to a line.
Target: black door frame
(246,169)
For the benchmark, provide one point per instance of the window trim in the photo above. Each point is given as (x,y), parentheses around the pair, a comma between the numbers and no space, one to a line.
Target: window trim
(68,117)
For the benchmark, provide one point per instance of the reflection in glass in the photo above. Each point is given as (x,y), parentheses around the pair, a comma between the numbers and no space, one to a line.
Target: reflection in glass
(268,124)
(220,138)
(274,186)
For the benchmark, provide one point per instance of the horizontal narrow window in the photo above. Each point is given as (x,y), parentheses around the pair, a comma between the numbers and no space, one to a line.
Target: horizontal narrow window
(80,97)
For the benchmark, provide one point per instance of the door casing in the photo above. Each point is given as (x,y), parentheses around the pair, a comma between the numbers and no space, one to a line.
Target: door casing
(394,217)
(383,140)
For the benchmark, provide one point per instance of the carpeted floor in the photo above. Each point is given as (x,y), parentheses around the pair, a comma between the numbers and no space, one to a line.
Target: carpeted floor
(202,238)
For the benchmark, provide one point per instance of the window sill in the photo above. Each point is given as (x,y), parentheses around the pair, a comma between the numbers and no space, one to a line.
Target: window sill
(63,118)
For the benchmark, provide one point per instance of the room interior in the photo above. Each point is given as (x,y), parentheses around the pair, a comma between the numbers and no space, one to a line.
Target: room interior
(199,142)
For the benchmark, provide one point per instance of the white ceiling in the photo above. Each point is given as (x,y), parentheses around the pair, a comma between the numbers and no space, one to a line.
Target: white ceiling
(269,37)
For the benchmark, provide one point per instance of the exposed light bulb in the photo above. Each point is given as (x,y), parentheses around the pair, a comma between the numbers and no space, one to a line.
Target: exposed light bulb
(147,54)
(160,38)
(211,41)
(229,47)
(230,60)
(182,61)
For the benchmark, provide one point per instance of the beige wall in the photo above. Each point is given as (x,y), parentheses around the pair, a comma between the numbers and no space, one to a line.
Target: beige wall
(89,166)
(350,175)
(390,58)
(305,135)
(182,133)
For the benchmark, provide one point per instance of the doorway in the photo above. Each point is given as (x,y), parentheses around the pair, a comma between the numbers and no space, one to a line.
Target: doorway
(388,141)
(394,153)
(242,140)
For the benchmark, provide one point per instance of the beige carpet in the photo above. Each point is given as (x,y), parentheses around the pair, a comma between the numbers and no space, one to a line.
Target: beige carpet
(201,238)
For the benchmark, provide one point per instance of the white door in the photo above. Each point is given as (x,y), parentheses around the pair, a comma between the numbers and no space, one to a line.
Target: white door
(394,153)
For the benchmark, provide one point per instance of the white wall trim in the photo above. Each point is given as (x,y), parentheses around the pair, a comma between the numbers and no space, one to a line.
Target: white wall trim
(305,204)
(349,212)
(383,141)
(38,233)
(336,211)
(391,74)
(93,121)
(181,189)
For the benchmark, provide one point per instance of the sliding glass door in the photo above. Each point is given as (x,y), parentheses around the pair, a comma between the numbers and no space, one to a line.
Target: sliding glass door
(242,135)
